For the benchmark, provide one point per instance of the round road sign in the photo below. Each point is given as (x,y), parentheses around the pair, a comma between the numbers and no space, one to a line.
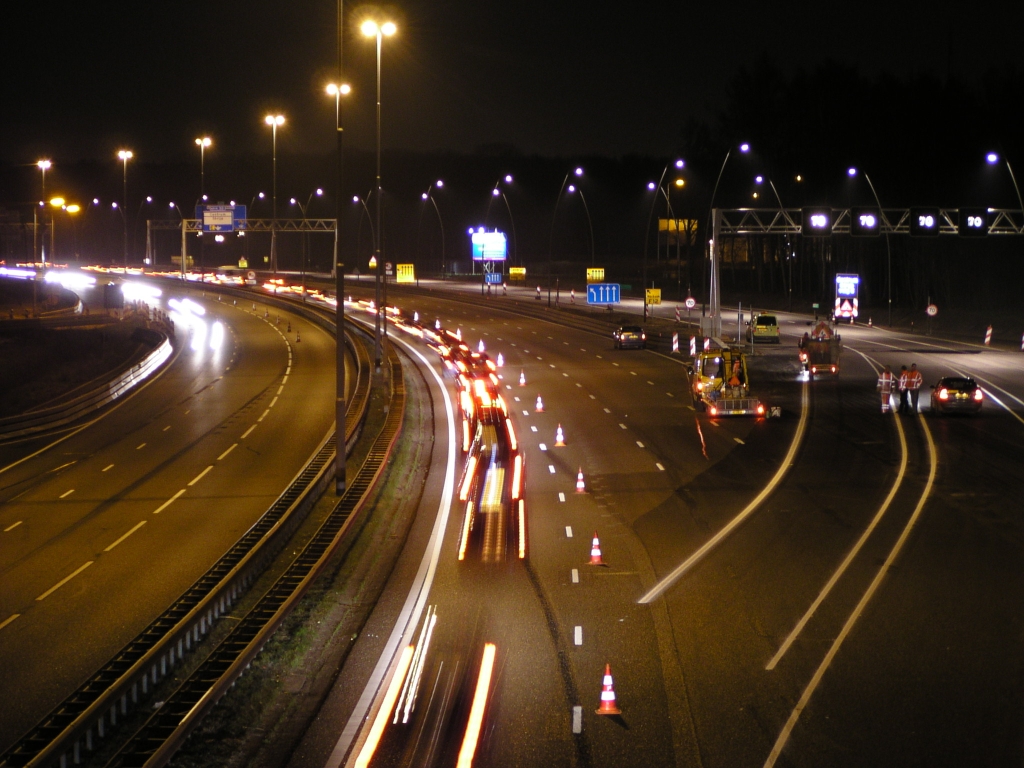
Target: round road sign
(690,302)
(932,310)
(250,275)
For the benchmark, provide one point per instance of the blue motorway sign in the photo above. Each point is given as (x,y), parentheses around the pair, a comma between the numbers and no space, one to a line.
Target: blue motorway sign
(603,293)
(493,278)
(221,218)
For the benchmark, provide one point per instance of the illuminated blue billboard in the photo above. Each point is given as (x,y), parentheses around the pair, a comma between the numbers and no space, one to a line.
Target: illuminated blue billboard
(489,246)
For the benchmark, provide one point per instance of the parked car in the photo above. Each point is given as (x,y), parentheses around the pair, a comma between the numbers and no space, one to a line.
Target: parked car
(957,394)
(763,328)
(630,337)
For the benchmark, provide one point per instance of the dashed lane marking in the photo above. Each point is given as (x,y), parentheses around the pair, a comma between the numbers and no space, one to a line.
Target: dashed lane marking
(140,446)
(109,466)
(263,415)
(67,493)
(12,526)
(568,531)
(229,450)
(561,497)
(659,465)
(248,432)
(739,441)
(9,619)
(168,503)
(64,581)
(575,576)
(639,444)
(125,536)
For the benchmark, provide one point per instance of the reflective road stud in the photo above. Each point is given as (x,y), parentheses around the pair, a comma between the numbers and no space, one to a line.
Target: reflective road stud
(608,706)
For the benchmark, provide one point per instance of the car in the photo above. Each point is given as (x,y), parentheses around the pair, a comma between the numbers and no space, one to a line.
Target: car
(957,394)
(630,337)
(763,328)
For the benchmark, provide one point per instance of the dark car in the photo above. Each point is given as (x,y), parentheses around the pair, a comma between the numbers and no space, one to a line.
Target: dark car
(957,394)
(630,337)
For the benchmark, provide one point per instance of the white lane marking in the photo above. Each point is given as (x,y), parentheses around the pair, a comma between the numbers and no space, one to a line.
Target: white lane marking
(9,619)
(515,398)
(632,373)
(543,446)
(168,503)
(200,476)
(582,349)
(566,375)
(551,365)
(533,428)
(650,382)
(659,465)
(188,411)
(287,371)
(600,358)
(575,575)
(166,428)
(248,432)
(997,400)
(285,379)
(606,410)
(616,365)
(272,403)
(67,493)
(739,441)
(539,357)
(577,719)
(507,386)
(868,594)
(641,445)
(623,426)
(133,530)
(577,635)
(551,468)
(568,531)
(579,385)
(409,617)
(670,394)
(12,526)
(526,413)
(109,466)
(561,497)
(140,446)
(715,540)
(62,466)
(63,581)
(280,389)
(263,416)
(592,397)
(229,450)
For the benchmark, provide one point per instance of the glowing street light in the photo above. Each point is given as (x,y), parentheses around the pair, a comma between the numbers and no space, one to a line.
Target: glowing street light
(124,155)
(203,143)
(992,158)
(428,195)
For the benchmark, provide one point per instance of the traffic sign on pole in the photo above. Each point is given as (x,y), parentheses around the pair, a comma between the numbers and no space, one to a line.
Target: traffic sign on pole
(603,293)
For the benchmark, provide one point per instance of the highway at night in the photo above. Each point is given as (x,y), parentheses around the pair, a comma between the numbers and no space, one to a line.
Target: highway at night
(835,586)
(102,527)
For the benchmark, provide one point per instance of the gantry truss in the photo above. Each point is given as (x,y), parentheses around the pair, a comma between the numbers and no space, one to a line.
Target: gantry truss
(893,221)
(194,226)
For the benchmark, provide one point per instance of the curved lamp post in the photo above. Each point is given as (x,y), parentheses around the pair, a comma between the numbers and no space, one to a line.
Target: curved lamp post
(679,164)
(302,208)
(498,192)
(428,195)
(572,189)
(551,238)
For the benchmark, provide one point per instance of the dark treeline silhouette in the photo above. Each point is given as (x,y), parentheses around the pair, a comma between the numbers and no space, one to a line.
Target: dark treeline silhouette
(922,142)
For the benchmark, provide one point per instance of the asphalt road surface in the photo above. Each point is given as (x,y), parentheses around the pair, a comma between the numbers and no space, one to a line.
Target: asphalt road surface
(832,587)
(102,528)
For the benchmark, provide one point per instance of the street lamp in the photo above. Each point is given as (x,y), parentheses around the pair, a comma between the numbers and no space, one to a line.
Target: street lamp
(43,166)
(428,195)
(679,164)
(124,155)
(551,238)
(498,192)
(573,189)
(203,143)
(373,29)
(992,158)
(851,172)
(713,255)
(319,193)
(274,121)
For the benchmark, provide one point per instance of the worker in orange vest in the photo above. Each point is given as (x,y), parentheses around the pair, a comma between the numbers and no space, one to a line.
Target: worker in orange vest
(914,382)
(885,382)
(902,385)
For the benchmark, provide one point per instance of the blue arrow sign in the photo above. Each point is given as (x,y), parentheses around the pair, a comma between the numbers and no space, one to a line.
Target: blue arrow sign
(603,293)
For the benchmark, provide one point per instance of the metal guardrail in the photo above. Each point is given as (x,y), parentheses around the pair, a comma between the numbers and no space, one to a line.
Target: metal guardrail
(83,718)
(155,743)
(37,421)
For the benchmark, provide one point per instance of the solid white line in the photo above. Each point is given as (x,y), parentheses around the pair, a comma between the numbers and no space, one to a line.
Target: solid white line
(168,503)
(715,540)
(272,402)
(13,526)
(997,400)
(63,581)
(229,450)
(820,672)
(133,530)
(568,531)
(200,476)
(109,466)
(248,432)
(856,547)
(261,418)
(577,719)
(67,493)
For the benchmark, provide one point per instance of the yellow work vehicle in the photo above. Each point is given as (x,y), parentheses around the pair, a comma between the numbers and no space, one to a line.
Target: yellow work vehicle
(721,386)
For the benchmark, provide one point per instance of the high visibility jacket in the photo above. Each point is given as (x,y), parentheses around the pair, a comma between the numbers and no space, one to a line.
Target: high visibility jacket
(915,380)
(885,383)
(904,379)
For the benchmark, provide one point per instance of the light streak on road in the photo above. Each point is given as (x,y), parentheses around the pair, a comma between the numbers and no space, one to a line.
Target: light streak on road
(379,723)
(476,712)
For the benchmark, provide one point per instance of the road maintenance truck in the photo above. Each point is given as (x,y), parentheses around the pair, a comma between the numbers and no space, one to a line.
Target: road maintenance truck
(721,386)
(819,351)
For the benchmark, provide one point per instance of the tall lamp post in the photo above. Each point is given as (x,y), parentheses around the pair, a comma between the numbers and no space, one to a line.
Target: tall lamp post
(203,143)
(428,195)
(554,214)
(992,158)
(888,251)
(302,208)
(273,121)
(43,166)
(712,254)
(337,267)
(572,188)
(498,192)
(680,164)
(124,155)
(371,28)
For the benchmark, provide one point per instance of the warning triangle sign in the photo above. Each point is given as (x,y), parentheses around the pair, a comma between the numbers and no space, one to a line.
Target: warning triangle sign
(846,306)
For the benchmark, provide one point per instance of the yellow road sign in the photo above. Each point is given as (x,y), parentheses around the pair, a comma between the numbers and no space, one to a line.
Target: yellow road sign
(595,275)
(406,273)
(654,295)
(517,273)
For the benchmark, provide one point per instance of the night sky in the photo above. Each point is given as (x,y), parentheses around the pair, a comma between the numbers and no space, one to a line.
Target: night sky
(551,78)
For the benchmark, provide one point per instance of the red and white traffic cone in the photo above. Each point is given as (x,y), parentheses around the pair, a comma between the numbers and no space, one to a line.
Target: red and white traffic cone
(522,378)
(572,296)
(540,405)
(297,337)
(595,551)
(608,705)
(504,289)
(480,346)
(988,336)
(559,437)
(580,485)
(869,323)
(677,314)
(538,293)
(501,360)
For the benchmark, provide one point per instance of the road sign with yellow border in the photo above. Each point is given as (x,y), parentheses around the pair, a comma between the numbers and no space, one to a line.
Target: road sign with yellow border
(406,273)
(595,275)
(654,295)
(517,273)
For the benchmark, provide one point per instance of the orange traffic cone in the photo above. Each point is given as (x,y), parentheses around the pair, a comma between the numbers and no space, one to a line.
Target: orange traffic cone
(595,551)
(580,487)
(540,405)
(522,378)
(608,694)
(559,437)
(298,338)
(501,360)
(480,346)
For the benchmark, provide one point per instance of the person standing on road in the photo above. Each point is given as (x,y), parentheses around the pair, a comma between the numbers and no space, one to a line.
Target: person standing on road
(885,388)
(902,384)
(914,382)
